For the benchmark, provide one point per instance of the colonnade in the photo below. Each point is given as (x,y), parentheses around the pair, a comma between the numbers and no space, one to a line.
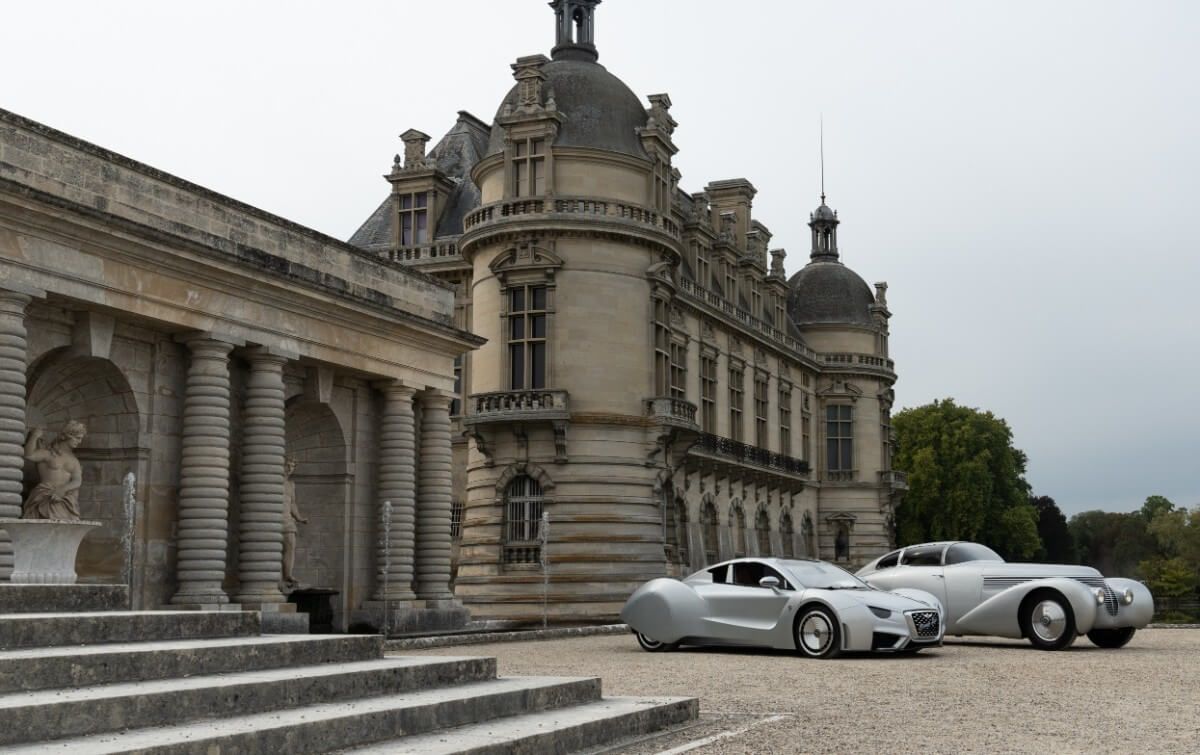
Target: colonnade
(412,563)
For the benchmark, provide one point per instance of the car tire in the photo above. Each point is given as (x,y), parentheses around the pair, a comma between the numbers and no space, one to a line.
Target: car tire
(1111,638)
(651,645)
(817,634)
(1047,620)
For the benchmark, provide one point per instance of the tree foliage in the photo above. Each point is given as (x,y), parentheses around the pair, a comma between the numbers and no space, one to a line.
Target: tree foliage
(1058,546)
(965,480)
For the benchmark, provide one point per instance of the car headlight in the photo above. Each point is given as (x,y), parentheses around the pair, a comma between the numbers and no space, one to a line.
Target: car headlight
(1099,596)
(1127,596)
(882,613)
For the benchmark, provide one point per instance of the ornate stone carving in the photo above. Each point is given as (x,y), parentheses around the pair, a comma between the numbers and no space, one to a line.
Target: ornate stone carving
(56,496)
(529,75)
(658,115)
(414,149)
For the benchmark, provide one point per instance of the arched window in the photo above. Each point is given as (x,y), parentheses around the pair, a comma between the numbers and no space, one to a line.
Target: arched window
(522,519)
(737,523)
(763,527)
(708,521)
(787,535)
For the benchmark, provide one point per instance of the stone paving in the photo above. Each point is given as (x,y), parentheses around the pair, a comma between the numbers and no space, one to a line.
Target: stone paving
(968,696)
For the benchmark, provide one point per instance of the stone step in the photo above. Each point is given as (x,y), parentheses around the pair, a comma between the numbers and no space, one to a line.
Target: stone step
(26,630)
(573,729)
(56,598)
(31,669)
(326,727)
(51,714)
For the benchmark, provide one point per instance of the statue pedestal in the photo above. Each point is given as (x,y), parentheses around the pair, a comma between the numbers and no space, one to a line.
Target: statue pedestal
(44,549)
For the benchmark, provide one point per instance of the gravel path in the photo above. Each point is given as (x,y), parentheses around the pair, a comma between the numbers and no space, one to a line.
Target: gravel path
(968,696)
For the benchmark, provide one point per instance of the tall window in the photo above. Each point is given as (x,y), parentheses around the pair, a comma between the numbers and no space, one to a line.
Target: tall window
(527,337)
(456,517)
(730,283)
(780,311)
(805,435)
(662,348)
(708,394)
(703,276)
(456,403)
(522,519)
(529,168)
(736,393)
(885,433)
(414,218)
(737,523)
(760,411)
(755,299)
(785,419)
(839,438)
(678,370)
(762,525)
(787,535)
(708,523)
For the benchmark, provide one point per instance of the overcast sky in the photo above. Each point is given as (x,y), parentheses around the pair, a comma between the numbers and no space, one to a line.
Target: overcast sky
(1024,175)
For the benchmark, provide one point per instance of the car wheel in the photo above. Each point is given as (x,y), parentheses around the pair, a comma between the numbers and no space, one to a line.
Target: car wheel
(817,634)
(654,646)
(1048,621)
(1111,638)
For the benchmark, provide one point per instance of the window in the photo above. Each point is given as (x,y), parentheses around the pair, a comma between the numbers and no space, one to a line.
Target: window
(736,378)
(522,520)
(708,523)
(962,552)
(662,348)
(708,394)
(763,526)
(888,561)
(805,435)
(839,438)
(730,283)
(755,299)
(702,271)
(678,370)
(780,312)
(924,555)
(785,419)
(719,574)
(414,218)
(885,434)
(787,535)
(681,540)
(749,573)
(760,410)
(456,517)
(529,168)
(737,523)
(456,403)
(527,337)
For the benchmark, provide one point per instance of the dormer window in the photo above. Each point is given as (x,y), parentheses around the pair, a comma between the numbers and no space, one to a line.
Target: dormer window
(414,218)
(529,168)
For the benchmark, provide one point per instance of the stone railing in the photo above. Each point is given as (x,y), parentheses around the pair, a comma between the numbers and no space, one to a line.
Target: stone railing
(571,206)
(744,318)
(862,360)
(741,452)
(504,406)
(895,479)
(672,411)
(437,251)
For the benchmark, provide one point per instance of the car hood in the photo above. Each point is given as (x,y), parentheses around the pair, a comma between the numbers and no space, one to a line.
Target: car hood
(1032,571)
(889,600)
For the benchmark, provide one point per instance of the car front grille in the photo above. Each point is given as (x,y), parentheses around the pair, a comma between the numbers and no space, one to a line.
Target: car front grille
(926,623)
(1112,604)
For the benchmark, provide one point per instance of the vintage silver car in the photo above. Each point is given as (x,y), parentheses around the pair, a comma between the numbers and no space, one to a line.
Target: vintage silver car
(1049,604)
(811,606)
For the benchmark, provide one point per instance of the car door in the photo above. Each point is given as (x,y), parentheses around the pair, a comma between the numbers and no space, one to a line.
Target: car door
(741,611)
(920,568)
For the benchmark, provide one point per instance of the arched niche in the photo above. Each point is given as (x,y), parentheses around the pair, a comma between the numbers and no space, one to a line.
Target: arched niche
(317,443)
(64,386)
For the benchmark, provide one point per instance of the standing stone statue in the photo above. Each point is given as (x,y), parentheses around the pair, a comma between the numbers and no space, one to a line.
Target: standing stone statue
(291,516)
(56,496)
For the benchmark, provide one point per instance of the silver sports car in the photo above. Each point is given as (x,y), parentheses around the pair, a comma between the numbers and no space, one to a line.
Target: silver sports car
(1049,604)
(814,607)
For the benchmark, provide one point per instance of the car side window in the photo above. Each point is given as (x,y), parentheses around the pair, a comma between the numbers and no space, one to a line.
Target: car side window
(747,573)
(960,553)
(783,583)
(718,574)
(927,555)
(888,561)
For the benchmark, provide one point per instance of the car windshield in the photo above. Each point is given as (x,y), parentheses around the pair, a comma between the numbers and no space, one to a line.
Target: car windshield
(823,576)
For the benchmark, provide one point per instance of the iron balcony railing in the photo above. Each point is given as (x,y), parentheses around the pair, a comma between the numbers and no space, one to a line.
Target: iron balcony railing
(741,452)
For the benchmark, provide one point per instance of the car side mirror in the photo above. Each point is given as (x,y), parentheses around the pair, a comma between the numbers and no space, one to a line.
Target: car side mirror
(769,582)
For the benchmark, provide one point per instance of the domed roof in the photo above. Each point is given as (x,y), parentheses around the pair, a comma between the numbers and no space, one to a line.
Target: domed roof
(600,111)
(826,293)
(824,212)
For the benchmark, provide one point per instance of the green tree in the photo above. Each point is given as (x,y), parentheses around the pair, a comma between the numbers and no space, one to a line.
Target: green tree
(1155,505)
(1115,543)
(1058,547)
(1169,577)
(965,480)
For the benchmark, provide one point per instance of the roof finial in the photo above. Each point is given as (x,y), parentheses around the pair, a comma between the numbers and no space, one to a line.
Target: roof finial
(822,124)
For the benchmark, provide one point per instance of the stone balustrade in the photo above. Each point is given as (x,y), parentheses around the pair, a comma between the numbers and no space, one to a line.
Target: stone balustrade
(895,479)
(715,301)
(443,250)
(571,207)
(672,411)
(727,448)
(505,406)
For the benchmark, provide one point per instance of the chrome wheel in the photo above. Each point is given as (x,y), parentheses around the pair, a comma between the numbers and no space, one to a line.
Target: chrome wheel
(817,634)
(1049,621)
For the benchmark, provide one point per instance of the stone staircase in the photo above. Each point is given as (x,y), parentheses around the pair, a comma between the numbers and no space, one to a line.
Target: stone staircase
(208,682)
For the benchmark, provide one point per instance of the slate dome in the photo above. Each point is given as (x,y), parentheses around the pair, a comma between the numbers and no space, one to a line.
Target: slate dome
(600,111)
(829,293)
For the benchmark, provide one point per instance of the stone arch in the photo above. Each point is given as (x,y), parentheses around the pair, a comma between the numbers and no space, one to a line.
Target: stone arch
(317,443)
(710,529)
(762,531)
(64,385)
(737,528)
(787,534)
(523,468)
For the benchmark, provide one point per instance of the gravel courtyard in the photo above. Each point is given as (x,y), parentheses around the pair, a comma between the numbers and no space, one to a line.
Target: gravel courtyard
(968,696)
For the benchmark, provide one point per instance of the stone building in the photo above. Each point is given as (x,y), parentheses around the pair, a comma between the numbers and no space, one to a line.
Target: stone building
(652,382)
(201,341)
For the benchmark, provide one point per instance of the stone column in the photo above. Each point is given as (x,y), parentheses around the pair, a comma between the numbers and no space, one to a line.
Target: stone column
(204,475)
(260,528)
(433,500)
(13,355)
(397,458)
